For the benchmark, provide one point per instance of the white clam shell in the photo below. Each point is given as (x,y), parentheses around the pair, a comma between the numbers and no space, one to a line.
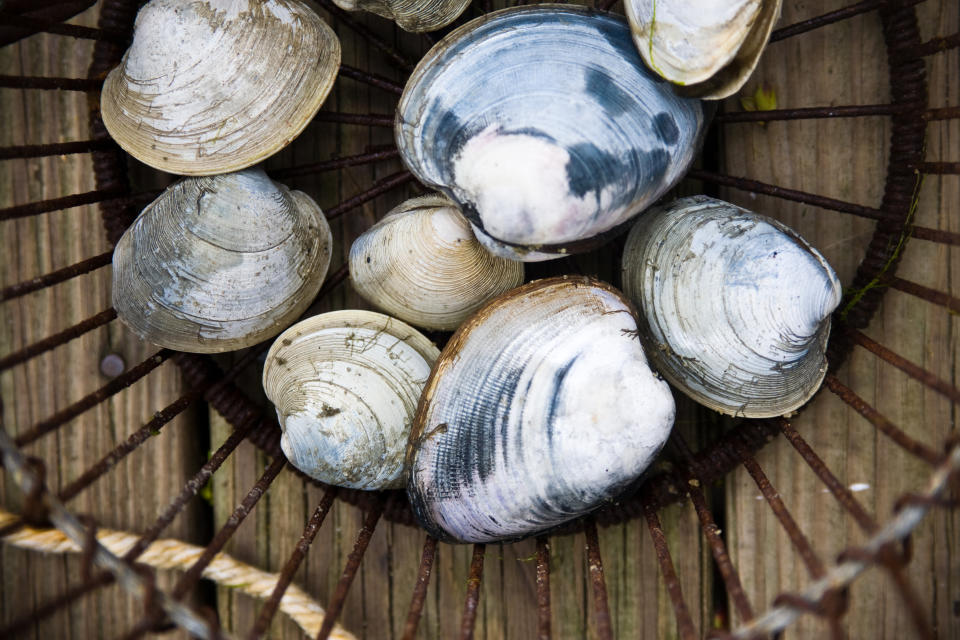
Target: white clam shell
(544,126)
(220,263)
(412,15)
(423,264)
(709,47)
(211,86)
(346,386)
(541,407)
(735,307)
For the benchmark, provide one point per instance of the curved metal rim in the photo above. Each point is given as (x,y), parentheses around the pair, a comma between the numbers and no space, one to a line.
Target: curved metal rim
(907,79)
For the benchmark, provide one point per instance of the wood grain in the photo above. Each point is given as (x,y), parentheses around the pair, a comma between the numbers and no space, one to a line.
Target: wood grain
(840,64)
(138,488)
(846,159)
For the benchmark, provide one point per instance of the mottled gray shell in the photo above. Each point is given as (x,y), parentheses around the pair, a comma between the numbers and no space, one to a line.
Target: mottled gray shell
(211,86)
(346,386)
(423,264)
(412,15)
(220,263)
(540,408)
(735,307)
(543,124)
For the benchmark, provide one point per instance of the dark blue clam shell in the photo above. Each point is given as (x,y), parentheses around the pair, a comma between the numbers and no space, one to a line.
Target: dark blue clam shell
(544,125)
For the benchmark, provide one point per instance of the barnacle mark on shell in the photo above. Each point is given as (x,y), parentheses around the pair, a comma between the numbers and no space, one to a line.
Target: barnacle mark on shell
(345,385)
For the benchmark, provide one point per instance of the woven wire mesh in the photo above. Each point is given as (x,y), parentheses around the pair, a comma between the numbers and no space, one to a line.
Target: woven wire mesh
(692,469)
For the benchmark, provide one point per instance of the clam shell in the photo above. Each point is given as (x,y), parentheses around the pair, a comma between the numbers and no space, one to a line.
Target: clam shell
(708,47)
(220,263)
(346,385)
(211,86)
(544,126)
(540,408)
(735,307)
(412,15)
(423,264)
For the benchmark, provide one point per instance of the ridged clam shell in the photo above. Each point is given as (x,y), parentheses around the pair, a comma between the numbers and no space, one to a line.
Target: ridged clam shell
(709,47)
(423,264)
(412,15)
(346,385)
(540,408)
(735,307)
(544,126)
(220,263)
(211,86)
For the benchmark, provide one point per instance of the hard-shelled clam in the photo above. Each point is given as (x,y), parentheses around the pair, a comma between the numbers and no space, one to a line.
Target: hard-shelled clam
(708,47)
(211,86)
(220,263)
(734,306)
(412,15)
(540,408)
(423,264)
(544,126)
(346,385)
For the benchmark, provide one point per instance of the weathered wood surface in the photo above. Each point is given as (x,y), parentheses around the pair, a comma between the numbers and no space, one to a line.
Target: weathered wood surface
(136,490)
(845,159)
(841,64)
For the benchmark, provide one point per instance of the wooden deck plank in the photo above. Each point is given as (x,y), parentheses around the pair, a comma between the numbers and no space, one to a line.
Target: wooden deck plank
(140,486)
(841,158)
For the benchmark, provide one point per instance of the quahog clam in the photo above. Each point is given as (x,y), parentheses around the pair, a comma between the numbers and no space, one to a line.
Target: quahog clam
(540,408)
(212,86)
(544,126)
(346,385)
(220,263)
(708,47)
(734,306)
(423,264)
(412,15)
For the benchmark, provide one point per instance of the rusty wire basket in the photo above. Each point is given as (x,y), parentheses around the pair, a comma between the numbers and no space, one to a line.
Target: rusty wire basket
(731,535)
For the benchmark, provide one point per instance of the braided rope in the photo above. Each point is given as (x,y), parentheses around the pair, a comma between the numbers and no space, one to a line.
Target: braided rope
(174,554)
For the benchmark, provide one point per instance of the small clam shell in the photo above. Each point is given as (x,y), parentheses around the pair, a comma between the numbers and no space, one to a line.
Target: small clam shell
(735,307)
(220,263)
(211,86)
(544,126)
(412,15)
(540,408)
(423,264)
(346,385)
(708,47)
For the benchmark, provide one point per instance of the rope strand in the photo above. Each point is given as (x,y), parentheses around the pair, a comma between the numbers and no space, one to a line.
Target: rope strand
(174,554)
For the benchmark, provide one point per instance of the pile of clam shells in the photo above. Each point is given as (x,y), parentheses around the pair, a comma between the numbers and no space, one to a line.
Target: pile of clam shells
(544,132)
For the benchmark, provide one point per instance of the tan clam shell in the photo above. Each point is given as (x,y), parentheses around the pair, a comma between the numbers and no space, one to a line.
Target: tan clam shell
(411,15)
(212,86)
(708,47)
(220,263)
(734,306)
(346,386)
(423,264)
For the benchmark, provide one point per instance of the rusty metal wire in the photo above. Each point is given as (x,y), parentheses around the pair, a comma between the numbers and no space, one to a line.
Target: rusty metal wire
(132,580)
(824,597)
(841,575)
